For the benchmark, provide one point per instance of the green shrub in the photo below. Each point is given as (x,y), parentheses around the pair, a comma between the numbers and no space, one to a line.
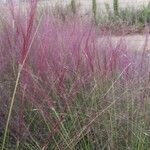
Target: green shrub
(144,15)
(128,15)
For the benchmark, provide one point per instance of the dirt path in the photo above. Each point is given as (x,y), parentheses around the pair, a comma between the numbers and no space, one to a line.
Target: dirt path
(135,42)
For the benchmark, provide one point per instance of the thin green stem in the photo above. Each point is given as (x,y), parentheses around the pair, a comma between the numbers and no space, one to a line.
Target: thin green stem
(16,85)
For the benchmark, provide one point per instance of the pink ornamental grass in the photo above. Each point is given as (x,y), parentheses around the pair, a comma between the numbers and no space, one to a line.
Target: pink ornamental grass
(60,57)
(62,50)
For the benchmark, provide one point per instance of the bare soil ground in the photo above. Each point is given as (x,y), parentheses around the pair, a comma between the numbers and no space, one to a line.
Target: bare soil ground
(136,42)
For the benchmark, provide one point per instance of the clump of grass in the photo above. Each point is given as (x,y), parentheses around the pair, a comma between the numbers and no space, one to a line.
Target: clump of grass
(68,86)
(129,20)
(136,16)
(131,17)
(65,12)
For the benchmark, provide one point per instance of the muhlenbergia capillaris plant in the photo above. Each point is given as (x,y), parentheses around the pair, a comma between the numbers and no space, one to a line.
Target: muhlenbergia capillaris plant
(67,85)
